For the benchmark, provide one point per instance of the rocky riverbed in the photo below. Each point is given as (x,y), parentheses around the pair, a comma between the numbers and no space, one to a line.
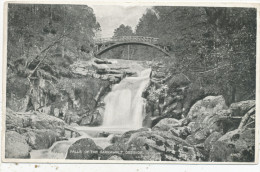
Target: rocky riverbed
(182,121)
(211,132)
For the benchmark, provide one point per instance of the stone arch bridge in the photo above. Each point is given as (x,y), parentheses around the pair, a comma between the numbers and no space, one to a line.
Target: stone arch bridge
(103,45)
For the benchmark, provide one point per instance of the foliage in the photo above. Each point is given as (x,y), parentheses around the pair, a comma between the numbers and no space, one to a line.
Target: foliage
(47,37)
(215,47)
(155,94)
(123,30)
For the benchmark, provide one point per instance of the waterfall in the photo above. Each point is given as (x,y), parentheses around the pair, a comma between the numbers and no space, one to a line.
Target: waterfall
(124,104)
(124,110)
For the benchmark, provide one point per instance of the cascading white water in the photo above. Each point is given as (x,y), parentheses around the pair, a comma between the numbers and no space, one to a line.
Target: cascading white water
(123,111)
(124,104)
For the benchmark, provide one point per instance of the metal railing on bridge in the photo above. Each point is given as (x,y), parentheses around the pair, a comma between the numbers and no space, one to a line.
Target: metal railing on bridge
(150,40)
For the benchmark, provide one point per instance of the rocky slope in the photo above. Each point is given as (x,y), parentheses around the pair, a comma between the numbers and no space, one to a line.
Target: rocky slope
(77,98)
(210,132)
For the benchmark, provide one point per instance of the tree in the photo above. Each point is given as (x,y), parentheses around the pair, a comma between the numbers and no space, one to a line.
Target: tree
(216,47)
(43,40)
(123,30)
(47,37)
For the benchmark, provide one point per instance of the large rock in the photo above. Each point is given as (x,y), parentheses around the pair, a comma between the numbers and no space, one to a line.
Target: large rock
(93,119)
(203,126)
(16,146)
(14,120)
(83,149)
(209,105)
(118,149)
(234,146)
(166,124)
(156,146)
(240,108)
(125,137)
(41,139)
(211,139)
(86,120)
(42,121)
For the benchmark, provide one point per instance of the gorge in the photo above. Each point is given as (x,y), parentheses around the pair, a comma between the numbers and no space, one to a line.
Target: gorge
(188,96)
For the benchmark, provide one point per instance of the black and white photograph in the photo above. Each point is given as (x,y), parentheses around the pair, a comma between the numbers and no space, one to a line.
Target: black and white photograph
(134,83)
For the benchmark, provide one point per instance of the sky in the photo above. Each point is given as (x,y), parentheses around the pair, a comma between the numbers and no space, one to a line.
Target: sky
(111,17)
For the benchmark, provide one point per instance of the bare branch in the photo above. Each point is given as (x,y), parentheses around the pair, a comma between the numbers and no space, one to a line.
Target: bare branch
(44,50)
(246,117)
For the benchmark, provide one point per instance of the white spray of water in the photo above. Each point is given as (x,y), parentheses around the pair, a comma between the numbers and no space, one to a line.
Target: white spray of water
(124,104)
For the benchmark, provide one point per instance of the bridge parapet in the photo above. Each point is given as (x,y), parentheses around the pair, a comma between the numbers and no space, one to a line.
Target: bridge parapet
(150,40)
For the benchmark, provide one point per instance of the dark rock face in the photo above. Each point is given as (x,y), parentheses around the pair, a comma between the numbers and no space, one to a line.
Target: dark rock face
(83,149)
(234,146)
(19,100)
(16,146)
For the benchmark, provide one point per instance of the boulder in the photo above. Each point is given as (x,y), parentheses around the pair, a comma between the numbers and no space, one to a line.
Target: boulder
(93,119)
(212,138)
(75,118)
(83,149)
(103,134)
(209,105)
(181,132)
(234,146)
(42,121)
(41,139)
(158,146)
(166,124)
(100,61)
(202,127)
(118,149)
(146,146)
(16,146)
(13,120)
(115,138)
(86,120)
(240,108)
(128,134)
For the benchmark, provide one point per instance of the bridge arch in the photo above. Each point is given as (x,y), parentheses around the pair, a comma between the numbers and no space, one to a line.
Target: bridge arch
(103,45)
(131,43)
